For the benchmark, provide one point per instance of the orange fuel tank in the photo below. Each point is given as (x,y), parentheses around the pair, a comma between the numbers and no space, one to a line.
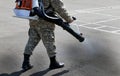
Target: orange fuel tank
(24,4)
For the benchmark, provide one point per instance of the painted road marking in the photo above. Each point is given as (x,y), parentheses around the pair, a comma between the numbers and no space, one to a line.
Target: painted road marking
(79,11)
(99,28)
(85,23)
(113,32)
(99,9)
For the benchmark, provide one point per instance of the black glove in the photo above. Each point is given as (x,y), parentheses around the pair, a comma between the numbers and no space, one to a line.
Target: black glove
(17,0)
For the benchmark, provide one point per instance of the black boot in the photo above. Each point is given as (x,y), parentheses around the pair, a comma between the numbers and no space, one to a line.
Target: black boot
(26,64)
(54,64)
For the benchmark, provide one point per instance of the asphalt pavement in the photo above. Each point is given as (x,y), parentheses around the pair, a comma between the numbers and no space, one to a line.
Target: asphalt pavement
(98,55)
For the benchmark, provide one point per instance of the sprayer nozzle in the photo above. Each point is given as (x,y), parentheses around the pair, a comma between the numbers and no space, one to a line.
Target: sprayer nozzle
(81,39)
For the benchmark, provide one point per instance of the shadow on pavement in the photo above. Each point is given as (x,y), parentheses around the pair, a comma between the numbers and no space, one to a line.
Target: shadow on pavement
(42,73)
(61,73)
(17,73)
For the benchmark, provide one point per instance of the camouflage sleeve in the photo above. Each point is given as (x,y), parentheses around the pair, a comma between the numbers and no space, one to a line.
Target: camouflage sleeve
(60,9)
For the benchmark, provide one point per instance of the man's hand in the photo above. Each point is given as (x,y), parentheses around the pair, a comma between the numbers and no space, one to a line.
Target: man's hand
(72,19)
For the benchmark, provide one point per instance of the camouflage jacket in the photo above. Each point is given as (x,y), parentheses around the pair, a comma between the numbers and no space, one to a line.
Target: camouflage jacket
(57,6)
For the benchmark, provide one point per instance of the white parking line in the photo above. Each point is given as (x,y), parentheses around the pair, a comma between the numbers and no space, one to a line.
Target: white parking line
(99,9)
(99,27)
(113,32)
(117,31)
(80,11)
(93,10)
(87,23)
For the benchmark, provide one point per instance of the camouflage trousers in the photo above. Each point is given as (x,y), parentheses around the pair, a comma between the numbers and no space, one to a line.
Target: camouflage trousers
(41,30)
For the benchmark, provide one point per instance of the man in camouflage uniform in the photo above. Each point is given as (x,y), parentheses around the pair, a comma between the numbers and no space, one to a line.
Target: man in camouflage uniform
(43,30)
